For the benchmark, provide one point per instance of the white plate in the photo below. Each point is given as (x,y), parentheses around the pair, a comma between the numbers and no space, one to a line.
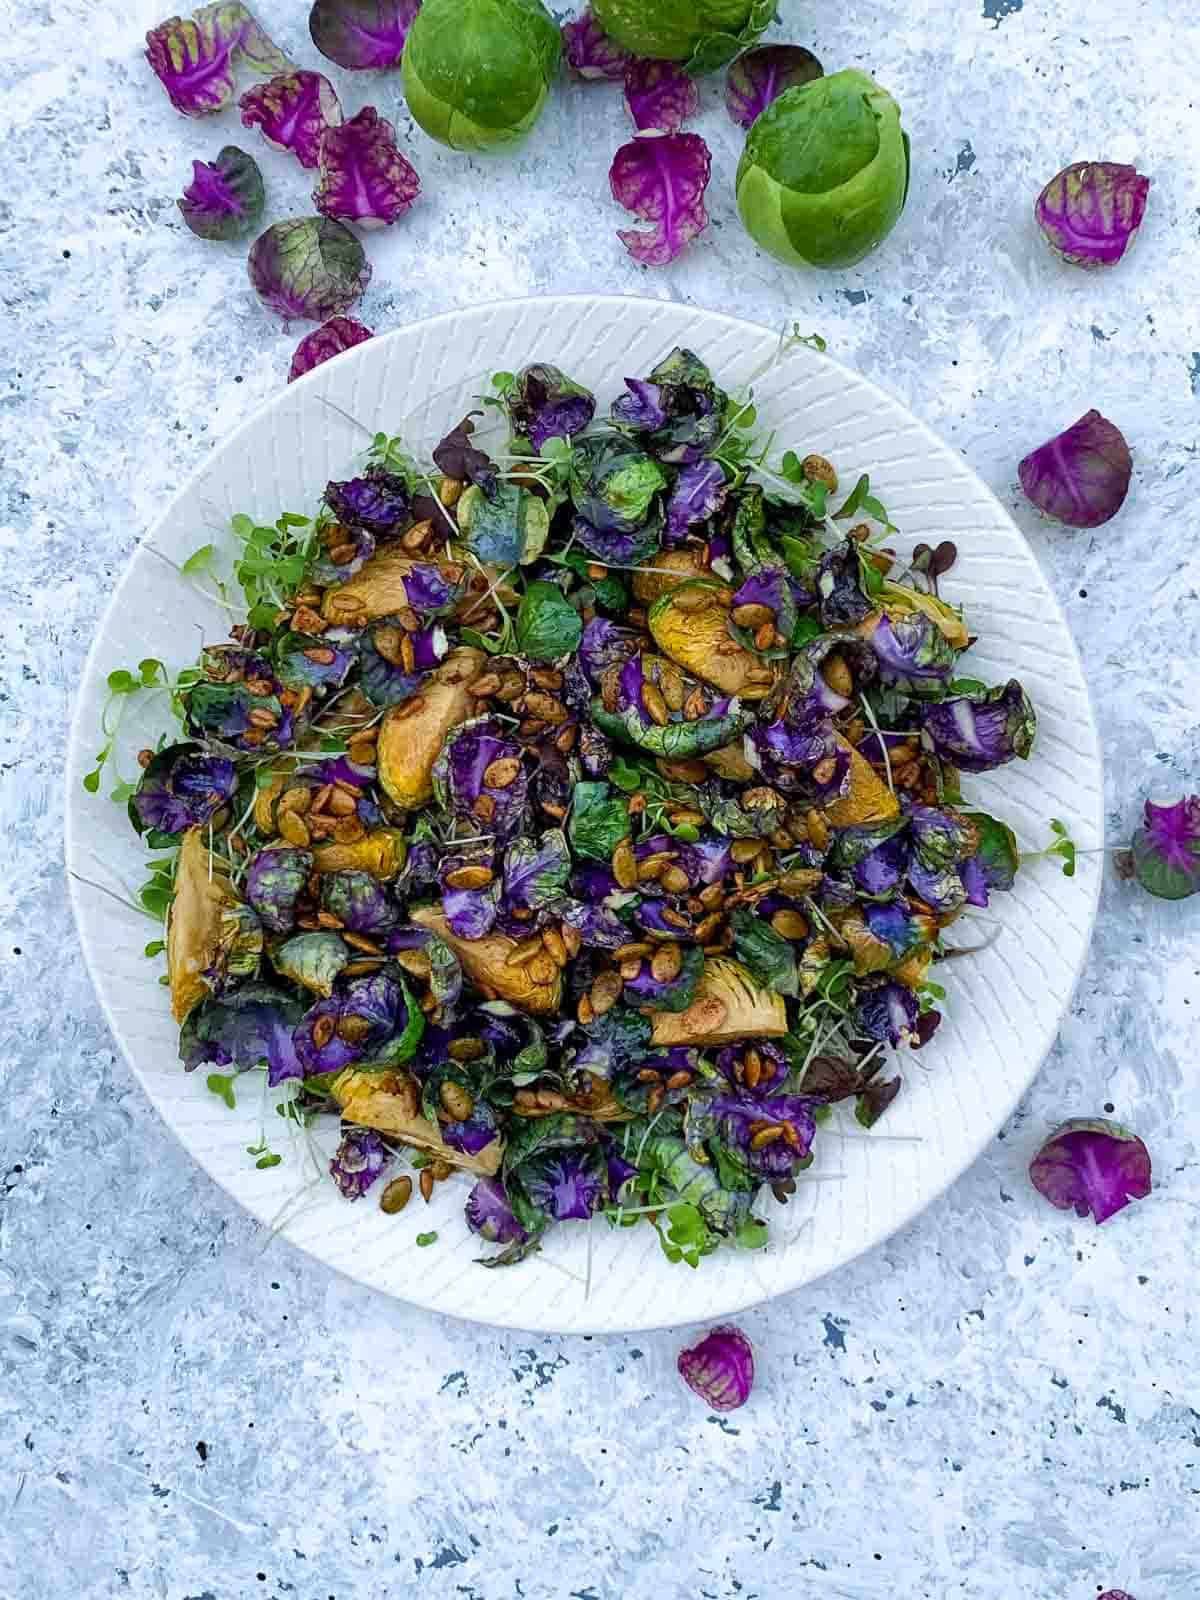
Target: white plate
(1004,1006)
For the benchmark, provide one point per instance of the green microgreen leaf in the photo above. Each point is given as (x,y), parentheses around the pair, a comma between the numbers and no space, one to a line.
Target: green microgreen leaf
(222,1087)
(424,1239)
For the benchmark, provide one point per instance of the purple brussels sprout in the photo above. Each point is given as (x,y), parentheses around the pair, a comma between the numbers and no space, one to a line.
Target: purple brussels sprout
(471,913)
(604,645)
(545,404)
(362,34)
(331,339)
(593,881)
(300,661)
(839,587)
(808,695)
(385,681)
(616,1041)
(243,1029)
(569,1184)
(222,710)
(359,901)
(978,732)
(757,1068)
(1093,1166)
(378,502)
(790,757)
(772,588)
(181,788)
(974,882)
(900,926)
(599,928)
(293,112)
(658,917)
(659,95)
(698,495)
(738,1119)
(1166,849)
(882,870)
(276,879)
(366,1019)
(468,1135)
(620,1171)
(464,779)
(459,458)
(365,179)
(942,837)
(225,198)
(940,887)
(668,994)
(355,546)
(590,52)
(358,1161)
(615,487)
(1090,212)
(720,1369)
(662,178)
(429,592)
(489,1214)
(1081,477)
(887,1013)
(309,267)
(759,76)
(912,652)
(706,860)
(678,412)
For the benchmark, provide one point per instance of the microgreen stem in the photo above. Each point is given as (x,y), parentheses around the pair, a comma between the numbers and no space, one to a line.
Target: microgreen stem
(880,740)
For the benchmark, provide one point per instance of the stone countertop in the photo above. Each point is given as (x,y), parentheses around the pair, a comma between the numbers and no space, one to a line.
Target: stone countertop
(999,1402)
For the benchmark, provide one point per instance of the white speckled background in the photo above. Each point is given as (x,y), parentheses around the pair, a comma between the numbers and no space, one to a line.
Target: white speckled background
(1000,1403)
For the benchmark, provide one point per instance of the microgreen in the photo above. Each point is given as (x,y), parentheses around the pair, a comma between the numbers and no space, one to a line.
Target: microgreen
(266,1157)
(156,894)
(859,499)
(424,1239)
(122,685)
(272,564)
(1063,847)
(687,1236)
(154,948)
(220,1085)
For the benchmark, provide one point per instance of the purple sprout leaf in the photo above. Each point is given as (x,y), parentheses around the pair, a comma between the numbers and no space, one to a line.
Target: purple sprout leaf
(699,493)
(225,197)
(195,57)
(181,788)
(310,267)
(364,177)
(293,112)
(545,404)
(662,178)
(1081,477)
(1166,849)
(759,76)
(659,95)
(358,1161)
(590,53)
(331,339)
(379,501)
(489,1214)
(362,34)
(980,731)
(1093,1166)
(720,1369)
(1090,212)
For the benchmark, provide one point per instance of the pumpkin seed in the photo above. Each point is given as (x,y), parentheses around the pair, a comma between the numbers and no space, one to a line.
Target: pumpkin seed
(752,616)
(790,925)
(605,992)
(501,774)
(654,704)
(624,865)
(456,1100)
(477,877)
(667,963)
(292,828)
(675,880)
(396,1196)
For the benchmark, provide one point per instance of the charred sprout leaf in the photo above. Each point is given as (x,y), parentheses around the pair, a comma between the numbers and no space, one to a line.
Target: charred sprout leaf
(1095,1167)
(548,625)
(309,267)
(769,957)
(1090,213)
(1081,477)
(224,199)
(362,34)
(1166,849)
(599,821)
(662,179)
(195,58)
(312,960)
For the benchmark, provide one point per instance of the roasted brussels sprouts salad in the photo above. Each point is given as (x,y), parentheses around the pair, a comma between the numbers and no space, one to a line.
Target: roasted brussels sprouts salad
(580,810)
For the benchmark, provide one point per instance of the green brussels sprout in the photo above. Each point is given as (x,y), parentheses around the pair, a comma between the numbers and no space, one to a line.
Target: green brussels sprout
(706,34)
(824,175)
(477,72)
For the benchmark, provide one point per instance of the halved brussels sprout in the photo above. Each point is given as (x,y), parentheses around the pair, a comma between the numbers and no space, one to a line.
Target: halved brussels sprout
(729,1006)
(506,531)
(390,1103)
(730,762)
(691,625)
(486,962)
(376,590)
(868,799)
(649,587)
(194,927)
(382,853)
(313,960)
(411,741)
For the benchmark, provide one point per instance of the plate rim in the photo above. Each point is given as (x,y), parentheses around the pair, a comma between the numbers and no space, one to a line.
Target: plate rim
(73,817)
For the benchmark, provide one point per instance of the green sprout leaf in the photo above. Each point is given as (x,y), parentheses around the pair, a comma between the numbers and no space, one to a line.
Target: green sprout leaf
(222,1086)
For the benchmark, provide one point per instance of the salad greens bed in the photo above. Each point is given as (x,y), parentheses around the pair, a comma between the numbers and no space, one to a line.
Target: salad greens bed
(580,810)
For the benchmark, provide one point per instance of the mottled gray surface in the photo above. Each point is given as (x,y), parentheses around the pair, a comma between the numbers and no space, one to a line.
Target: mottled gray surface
(1000,1402)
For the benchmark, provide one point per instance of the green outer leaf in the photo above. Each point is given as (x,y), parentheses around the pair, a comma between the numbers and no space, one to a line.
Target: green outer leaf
(997,849)
(510,530)
(1160,877)
(677,738)
(721,1208)
(241,175)
(768,957)
(599,821)
(312,960)
(548,625)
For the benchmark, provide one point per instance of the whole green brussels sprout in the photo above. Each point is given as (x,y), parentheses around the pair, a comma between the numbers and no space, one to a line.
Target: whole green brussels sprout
(824,176)
(706,34)
(477,72)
